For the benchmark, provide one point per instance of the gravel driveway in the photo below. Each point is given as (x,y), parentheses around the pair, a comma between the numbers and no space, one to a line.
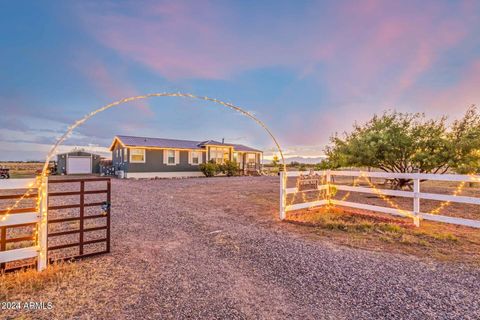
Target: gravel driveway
(214,248)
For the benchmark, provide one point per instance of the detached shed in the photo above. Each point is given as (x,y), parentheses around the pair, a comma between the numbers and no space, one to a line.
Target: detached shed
(78,162)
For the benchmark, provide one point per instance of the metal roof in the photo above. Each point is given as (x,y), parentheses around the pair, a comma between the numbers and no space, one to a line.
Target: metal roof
(177,144)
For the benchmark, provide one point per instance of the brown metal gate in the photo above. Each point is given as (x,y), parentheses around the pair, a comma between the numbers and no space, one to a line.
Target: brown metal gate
(58,227)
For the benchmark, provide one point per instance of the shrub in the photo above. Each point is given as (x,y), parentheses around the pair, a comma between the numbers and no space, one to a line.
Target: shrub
(209,169)
(230,168)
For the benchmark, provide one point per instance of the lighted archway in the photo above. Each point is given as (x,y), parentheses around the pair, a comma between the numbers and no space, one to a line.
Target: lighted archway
(42,179)
(165,94)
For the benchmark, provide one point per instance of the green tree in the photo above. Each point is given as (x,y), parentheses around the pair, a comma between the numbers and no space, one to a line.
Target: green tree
(409,142)
(275,161)
(323,165)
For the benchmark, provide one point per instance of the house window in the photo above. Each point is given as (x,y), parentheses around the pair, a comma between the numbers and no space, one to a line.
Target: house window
(235,157)
(219,155)
(171,156)
(251,158)
(196,157)
(125,155)
(137,155)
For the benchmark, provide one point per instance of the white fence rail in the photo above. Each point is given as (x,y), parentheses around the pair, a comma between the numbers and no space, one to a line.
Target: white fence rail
(416,194)
(39,217)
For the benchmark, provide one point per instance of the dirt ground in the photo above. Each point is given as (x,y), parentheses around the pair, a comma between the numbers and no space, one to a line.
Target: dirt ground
(215,249)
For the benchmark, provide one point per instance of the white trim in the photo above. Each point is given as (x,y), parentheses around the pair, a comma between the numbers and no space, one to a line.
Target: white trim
(387,192)
(397,212)
(18,254)
(144,155)
(305,205)
(165,157)
(445,219)
(180,174)
(177,157)
(17,183)
(199,156)
(20,218)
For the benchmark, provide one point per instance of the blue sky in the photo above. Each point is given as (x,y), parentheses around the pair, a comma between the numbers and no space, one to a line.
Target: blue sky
(306,68)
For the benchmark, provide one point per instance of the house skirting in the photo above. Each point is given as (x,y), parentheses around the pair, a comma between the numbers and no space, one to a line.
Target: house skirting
(178,174)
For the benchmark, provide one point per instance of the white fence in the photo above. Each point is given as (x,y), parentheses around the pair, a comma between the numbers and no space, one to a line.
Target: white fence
(416,194)
(16,217)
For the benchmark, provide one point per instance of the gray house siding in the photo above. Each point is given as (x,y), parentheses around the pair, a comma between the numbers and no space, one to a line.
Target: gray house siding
(119,162)
(62,161)
(154,163)
(154,156)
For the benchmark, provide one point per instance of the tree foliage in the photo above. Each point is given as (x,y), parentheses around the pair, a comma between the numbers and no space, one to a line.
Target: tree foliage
(409,142)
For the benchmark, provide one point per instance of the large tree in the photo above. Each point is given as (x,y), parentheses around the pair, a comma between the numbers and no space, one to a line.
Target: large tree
(409,142)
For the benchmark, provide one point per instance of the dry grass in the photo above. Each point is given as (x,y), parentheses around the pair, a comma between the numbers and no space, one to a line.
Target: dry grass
(22,169)
(380,232)
(26,283)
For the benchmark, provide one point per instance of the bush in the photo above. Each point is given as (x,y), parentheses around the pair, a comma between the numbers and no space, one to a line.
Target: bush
(230,168)
(209,169)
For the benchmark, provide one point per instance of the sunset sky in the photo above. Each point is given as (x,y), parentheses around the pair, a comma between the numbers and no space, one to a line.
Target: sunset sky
(306,68)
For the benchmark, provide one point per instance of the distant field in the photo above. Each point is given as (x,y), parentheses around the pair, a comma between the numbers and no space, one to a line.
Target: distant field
(22,169)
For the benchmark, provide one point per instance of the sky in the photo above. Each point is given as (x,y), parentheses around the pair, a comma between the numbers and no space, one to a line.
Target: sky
(308,69)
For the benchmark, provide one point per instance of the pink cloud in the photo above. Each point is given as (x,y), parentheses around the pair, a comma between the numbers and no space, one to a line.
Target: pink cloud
(110,83)
(366,48)
(459,95)
(173,39)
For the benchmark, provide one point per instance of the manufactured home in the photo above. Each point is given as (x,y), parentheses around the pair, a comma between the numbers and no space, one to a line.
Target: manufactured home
(142,157)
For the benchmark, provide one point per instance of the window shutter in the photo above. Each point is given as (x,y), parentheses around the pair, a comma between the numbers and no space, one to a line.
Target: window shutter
(165,156)
(177,157)
(190,156)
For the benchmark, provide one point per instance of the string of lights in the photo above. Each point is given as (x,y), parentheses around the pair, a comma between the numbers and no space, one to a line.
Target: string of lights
(42,179)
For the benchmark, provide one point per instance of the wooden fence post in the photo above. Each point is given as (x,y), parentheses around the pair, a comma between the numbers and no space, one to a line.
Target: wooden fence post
(416,202)
(283,185)
(42,224)
(328,180)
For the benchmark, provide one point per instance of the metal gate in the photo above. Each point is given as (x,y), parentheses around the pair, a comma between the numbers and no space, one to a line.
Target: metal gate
(85,223)
(28,237)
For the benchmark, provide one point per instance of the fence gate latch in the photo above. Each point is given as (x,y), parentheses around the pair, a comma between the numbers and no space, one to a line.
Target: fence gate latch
(105,207)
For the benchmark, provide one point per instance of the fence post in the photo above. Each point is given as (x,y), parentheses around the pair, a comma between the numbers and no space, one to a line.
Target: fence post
(416,202)
(42,224)
(283,185)
(328,180)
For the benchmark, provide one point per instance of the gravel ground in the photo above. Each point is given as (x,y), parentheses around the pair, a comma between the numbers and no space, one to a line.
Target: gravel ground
(214,249)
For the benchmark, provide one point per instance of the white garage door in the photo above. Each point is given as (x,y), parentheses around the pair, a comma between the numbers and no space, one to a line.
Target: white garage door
(77,165)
